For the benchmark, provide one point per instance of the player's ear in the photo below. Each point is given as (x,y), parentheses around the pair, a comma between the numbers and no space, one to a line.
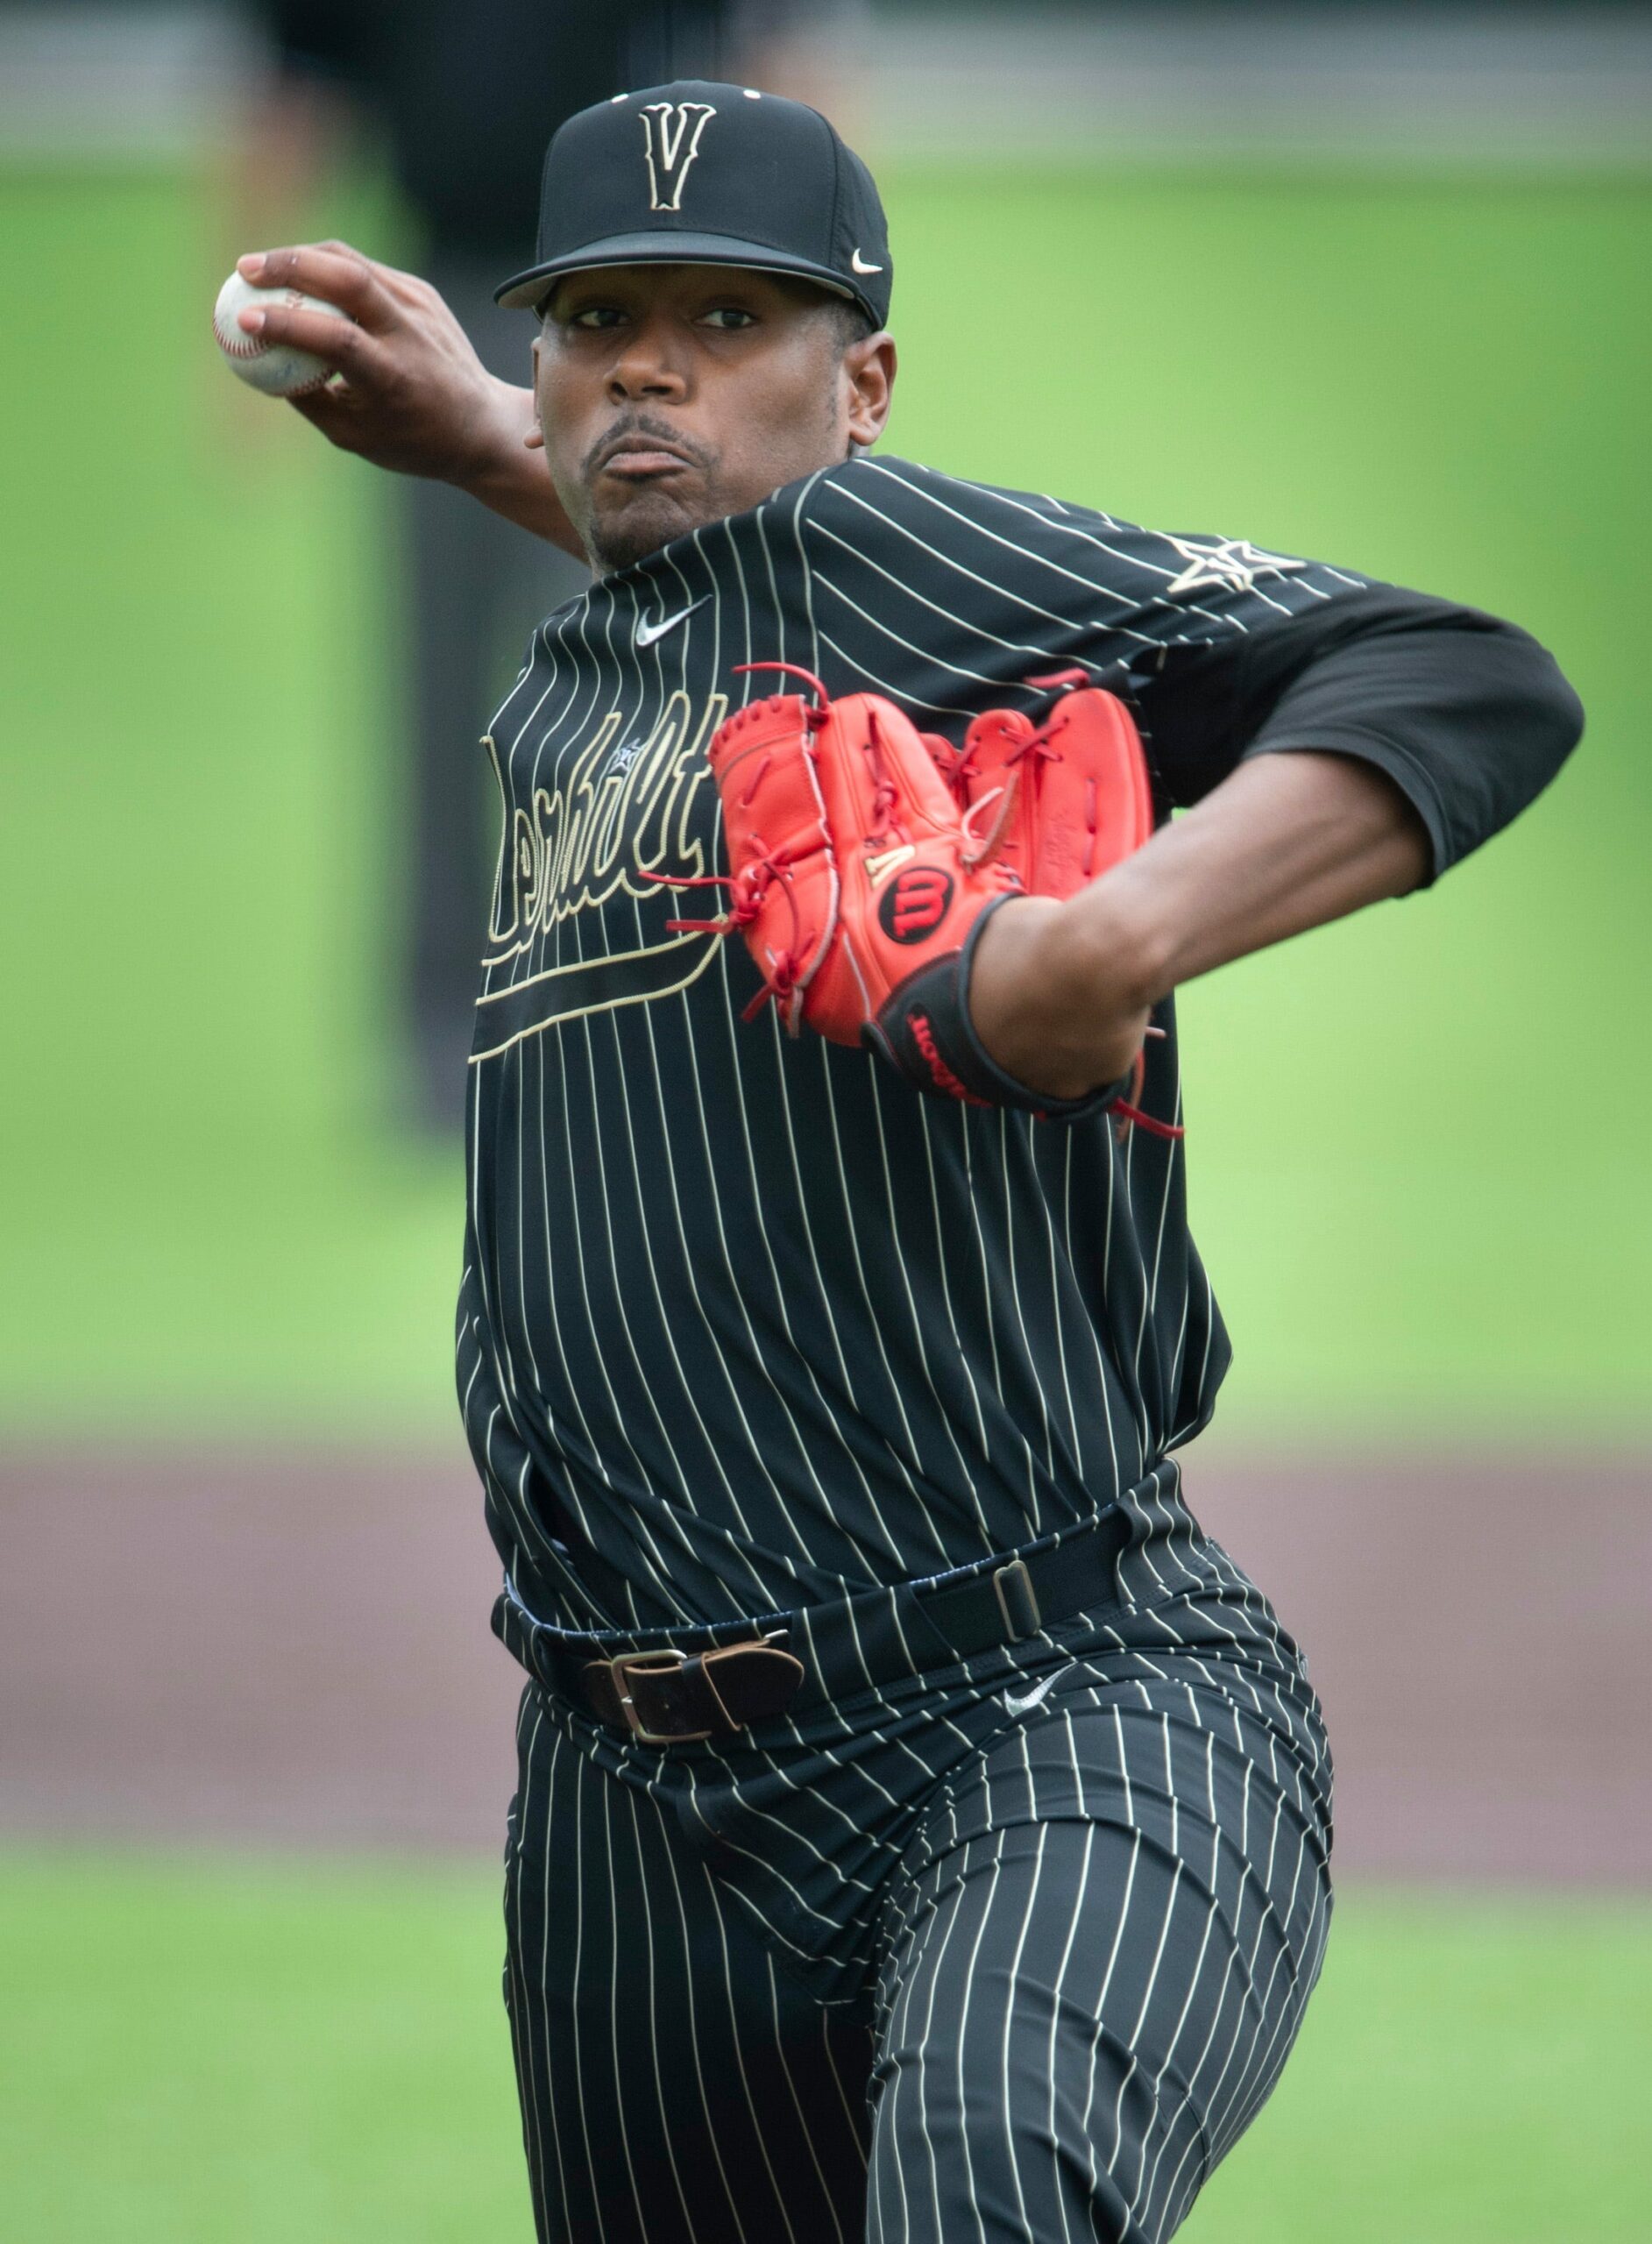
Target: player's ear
(535,437)
(869,367)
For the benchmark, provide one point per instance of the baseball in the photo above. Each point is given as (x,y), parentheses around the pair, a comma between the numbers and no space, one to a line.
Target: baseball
(276,369)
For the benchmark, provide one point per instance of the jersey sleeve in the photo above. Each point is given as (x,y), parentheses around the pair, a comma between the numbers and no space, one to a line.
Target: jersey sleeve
(1225,648)
(1255,653)
(1468,715)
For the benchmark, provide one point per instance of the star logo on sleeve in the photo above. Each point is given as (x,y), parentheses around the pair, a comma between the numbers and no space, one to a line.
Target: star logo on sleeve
(1233,563)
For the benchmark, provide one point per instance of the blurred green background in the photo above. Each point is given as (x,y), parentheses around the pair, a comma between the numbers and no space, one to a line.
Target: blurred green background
(1417,1140)
(220,2052)
(1417,1143)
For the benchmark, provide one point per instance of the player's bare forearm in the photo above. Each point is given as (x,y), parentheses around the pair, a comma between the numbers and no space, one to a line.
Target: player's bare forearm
(509,473)
(1061,993)
(411,396)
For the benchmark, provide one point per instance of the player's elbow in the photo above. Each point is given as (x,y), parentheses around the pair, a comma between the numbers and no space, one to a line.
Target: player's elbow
(1550,715)
(1550,708)
(1516,717)
(1561,709)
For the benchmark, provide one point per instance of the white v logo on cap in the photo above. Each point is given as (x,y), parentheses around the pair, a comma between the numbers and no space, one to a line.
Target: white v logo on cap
(858,263)
(672,140)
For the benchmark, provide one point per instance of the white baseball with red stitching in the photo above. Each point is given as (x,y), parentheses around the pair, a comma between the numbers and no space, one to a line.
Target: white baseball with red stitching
(276,369)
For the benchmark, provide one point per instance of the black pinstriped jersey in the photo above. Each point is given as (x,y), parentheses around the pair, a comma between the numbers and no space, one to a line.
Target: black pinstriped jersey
(745,1323)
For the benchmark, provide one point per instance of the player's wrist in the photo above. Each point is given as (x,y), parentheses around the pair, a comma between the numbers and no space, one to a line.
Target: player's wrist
(490,454)
(497,466)
(1057,996)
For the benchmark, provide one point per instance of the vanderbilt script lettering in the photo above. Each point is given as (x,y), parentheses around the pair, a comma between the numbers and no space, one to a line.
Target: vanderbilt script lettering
(618,808)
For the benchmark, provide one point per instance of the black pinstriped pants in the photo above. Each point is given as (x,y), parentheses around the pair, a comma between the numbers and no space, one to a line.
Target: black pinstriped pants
(1087,1964)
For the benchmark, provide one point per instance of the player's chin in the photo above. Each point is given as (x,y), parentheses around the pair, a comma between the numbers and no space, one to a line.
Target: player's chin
(641,515)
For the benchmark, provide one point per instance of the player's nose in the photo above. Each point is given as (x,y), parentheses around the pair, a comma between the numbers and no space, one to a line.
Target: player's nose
(646,366)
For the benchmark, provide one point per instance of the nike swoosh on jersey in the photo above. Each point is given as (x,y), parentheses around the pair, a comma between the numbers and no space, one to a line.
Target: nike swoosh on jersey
(1025,1706)
(858,263)
(648,633)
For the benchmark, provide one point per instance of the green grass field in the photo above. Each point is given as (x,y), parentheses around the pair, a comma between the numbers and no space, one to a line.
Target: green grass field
(275,2053)
(1417,1140)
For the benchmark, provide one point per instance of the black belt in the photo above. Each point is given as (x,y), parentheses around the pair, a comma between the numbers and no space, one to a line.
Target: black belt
(667,1697)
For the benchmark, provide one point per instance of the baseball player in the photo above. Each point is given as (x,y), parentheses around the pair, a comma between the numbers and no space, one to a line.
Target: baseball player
(922,1826)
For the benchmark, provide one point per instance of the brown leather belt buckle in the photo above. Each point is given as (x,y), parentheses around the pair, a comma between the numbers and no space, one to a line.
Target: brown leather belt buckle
(637,1689)
(655,1663)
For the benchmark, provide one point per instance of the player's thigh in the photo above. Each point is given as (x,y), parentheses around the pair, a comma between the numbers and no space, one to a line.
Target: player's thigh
(673,2083)
(1081,2014)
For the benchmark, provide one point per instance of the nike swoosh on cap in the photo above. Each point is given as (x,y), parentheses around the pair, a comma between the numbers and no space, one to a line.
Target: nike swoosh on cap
(648,633)
(858,263)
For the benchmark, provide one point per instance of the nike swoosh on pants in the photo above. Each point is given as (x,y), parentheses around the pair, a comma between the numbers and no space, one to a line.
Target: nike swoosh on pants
(1024,1705)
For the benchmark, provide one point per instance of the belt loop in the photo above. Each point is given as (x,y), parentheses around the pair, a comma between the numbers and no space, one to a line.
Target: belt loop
(1012,1587)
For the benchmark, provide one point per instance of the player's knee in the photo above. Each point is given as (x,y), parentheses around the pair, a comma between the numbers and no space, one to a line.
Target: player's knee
(1030,2115)
(989,2163)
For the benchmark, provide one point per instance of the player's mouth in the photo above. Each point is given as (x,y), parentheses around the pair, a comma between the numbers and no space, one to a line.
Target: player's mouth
(641,451)
(633,460)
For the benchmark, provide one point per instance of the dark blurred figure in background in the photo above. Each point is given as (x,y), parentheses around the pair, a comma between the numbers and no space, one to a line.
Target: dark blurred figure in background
(462,95)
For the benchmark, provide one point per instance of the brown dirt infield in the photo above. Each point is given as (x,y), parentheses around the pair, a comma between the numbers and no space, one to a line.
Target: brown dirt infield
(292,1648)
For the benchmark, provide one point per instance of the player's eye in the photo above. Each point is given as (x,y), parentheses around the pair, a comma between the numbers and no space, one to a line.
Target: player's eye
(593,317)
(728,317)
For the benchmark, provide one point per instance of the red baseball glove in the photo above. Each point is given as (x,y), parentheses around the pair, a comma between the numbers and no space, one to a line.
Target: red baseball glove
(865,858)
(1058,802)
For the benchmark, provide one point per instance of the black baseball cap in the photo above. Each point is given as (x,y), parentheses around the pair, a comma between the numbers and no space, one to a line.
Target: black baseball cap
(701,173)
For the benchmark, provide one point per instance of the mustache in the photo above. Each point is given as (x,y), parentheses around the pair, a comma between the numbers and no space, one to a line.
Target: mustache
(645,424)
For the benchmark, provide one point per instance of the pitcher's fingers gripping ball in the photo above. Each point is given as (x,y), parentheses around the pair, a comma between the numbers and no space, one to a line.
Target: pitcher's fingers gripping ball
(277,369)
(865,859)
